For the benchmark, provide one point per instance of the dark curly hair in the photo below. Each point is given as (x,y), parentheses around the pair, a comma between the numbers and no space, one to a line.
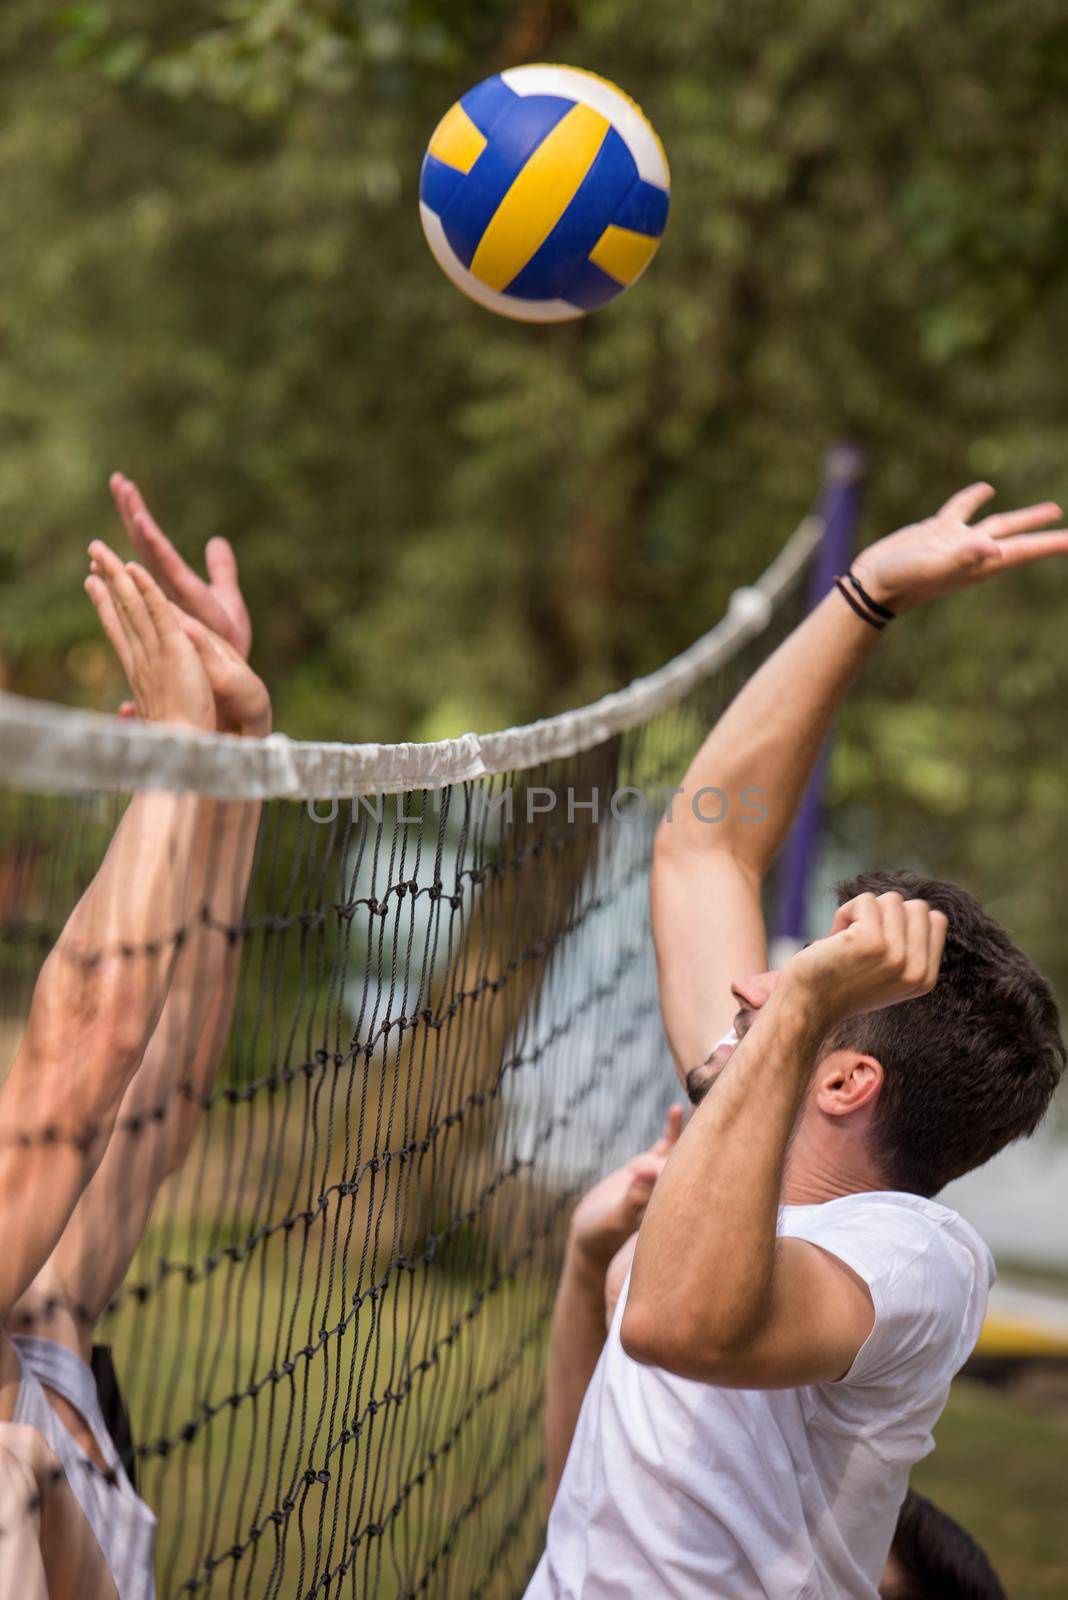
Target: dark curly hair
(970,1066)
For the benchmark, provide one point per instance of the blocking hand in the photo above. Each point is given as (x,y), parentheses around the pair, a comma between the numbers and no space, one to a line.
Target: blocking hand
(947,552)
(218,603)
(162,665)
(612,1210)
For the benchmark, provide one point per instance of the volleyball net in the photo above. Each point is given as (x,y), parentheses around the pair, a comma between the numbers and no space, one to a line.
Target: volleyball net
(401,1010)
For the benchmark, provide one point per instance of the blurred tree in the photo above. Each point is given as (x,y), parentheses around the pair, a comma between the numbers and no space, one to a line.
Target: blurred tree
(214,278)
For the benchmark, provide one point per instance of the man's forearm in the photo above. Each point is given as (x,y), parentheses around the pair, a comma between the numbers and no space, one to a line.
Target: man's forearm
(578,1335)
(185,1049)
(159,1111)
(712,1219)
(95,1004)
(768,740)
(102,988)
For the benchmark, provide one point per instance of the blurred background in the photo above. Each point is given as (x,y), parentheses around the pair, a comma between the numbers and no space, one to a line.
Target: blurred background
(214,279)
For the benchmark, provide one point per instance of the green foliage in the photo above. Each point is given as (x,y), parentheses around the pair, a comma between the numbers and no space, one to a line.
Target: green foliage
(214,278)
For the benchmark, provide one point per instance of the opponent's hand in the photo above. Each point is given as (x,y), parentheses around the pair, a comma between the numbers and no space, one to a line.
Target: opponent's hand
(242,704)
(949,552)
(612,1210)
(163,666)
(880,950)
(219,603)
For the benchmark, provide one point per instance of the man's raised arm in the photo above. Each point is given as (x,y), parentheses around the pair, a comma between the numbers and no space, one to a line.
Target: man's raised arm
(706,876)
(781,1314)
(602,1224)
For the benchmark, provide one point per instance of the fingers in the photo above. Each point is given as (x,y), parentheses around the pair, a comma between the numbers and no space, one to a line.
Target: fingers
(906,933)
(124,494)
(1004,524)
(862,910)
(126,598)
(966,502)
(221,562)
(938,932)
(178,581)
(979,551)
(175,577)
(914,938)
(156,603)
(895,926)
(672,1129)
(918,915)
(1034,547)
(209,648)
(100,595)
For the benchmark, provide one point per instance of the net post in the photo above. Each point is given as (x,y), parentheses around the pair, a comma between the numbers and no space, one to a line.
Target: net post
(844,469)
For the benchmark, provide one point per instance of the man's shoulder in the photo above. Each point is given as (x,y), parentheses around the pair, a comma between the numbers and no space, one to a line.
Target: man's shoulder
(927,1269)
(911,1222)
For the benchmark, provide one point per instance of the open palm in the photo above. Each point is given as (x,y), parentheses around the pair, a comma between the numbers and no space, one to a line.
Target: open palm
(948,551)
(218,603)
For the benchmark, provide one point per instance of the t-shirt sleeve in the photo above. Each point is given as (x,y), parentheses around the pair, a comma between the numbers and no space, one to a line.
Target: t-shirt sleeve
(928,1288)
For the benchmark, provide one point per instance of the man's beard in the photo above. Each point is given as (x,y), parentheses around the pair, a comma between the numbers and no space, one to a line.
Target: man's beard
(699,1080)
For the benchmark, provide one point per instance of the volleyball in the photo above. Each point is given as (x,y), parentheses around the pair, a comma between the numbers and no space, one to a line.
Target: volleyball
(544,193)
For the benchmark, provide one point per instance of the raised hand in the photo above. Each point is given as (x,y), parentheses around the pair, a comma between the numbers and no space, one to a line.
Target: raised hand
(881,949)
(948,551)
(218,603)
(612,1210)
(242,704)
(163,666)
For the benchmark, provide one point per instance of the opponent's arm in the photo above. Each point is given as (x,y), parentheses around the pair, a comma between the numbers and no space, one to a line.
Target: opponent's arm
(713,1295)
(706,877)
(101,990)
(161,1106)
(601,1225)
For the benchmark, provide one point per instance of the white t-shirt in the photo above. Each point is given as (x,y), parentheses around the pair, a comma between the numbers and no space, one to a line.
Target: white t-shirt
(680,1489)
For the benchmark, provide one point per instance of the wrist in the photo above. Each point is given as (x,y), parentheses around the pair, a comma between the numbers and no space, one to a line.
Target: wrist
(803,1009)
(586,1264)
(875,586)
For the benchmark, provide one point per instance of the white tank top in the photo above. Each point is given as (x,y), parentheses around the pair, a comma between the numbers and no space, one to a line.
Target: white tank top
(124,1527)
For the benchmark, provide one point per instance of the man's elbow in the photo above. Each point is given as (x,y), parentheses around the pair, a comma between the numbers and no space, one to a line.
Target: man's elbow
(661,1335)
(685,1341)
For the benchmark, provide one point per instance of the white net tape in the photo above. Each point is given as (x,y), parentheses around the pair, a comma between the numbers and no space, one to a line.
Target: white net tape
(47,746)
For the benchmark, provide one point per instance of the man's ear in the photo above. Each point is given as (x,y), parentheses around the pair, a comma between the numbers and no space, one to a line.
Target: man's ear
(846,1081)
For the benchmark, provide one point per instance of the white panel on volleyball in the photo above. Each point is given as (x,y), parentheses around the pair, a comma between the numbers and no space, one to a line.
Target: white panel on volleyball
(628,119)
(507,305)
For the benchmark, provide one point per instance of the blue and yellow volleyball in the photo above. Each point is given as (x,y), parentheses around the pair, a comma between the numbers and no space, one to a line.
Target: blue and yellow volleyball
(544,193)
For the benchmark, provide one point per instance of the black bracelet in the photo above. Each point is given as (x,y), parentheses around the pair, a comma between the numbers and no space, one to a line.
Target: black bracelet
(856,607)
(872,605)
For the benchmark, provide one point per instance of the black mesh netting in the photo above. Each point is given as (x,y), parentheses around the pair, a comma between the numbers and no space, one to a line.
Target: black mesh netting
(388,1042)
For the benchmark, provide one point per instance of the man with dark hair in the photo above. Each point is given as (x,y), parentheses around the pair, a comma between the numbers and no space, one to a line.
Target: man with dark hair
(933,1558)
(797,1303)
(968,1068)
